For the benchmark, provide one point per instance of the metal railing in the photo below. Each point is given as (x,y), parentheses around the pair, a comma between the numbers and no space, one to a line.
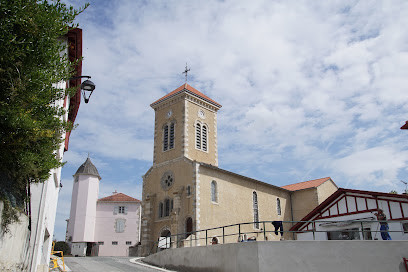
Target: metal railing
(246,232)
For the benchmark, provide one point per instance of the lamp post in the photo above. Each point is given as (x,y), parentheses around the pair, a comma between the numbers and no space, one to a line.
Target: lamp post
(87,87)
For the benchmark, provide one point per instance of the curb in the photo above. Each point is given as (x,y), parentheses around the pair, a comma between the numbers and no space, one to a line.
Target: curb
(139,261)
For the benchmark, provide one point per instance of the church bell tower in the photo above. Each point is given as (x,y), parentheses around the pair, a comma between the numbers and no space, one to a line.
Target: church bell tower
(185,126)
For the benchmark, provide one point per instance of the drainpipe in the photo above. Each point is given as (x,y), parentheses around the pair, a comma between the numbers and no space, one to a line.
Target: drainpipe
(291,213)
(140,221)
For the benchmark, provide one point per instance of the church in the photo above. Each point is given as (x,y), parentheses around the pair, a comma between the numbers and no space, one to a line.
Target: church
(185,191)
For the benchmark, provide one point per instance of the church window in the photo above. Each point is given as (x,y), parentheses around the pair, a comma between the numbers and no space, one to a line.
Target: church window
(161,210)
(255,208)
(115,243)
(128,242)
(168,136)
(188,190)
(278,206)
(167,207)
(120,225)
(171,142)
(121,209)
(167,180)
(204,144)
(198,136)
(201,137)
(214,192)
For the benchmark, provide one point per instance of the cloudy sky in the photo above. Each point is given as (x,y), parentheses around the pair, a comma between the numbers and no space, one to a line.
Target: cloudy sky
(309,89)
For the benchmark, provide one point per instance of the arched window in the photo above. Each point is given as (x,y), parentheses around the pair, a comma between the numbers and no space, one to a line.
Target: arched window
(160,209)
(201,137)
(204,135)
(214,197)
(255,208)
(168,136)
(198,136)
(167,208)
(278,206)
(171,144)
(189,226)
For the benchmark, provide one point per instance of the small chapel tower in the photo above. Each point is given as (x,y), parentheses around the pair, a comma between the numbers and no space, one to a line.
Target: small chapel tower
(185,126)
(85,190)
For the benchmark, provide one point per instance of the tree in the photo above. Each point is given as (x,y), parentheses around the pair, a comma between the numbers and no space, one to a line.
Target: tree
(31,62)
(62,246)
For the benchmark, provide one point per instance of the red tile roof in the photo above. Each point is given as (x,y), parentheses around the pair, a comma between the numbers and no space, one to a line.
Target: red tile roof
(305,184)
(405,126)
(190,90)
(119,197)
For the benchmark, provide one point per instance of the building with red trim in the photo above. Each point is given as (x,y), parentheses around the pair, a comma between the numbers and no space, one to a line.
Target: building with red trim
(349,215)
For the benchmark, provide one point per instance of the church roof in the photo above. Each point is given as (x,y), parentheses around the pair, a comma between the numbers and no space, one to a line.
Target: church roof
(241,176)
(305,184)
(87,168)
(119,197)
(186,88)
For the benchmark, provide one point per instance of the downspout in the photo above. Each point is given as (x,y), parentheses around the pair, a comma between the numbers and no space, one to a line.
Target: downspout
(291,212)
(140,221)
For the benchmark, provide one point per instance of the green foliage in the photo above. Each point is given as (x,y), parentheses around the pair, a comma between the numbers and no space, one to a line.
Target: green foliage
(8,216)
(393,192)
(31,62)
(62,246)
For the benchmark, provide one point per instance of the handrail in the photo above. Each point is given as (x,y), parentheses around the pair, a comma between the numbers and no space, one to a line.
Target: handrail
(180,239)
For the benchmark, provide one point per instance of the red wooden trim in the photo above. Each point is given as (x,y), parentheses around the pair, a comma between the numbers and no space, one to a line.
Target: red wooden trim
(366,202)
(338,210)
(355,200)
(329,212)
(402,210)
(349,213)
(376,202)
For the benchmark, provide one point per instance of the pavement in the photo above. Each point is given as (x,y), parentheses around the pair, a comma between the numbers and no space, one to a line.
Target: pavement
(109,264)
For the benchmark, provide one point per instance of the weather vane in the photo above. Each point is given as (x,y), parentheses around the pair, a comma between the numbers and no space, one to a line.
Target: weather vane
(186,71)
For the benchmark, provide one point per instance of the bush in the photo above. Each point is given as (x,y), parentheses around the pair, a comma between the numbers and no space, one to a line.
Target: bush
(62,246)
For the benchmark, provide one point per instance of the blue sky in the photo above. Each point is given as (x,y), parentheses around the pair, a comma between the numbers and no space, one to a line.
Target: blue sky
(309,89)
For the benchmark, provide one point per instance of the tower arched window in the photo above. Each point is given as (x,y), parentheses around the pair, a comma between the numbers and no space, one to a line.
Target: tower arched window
(255,208)
(161,210)
(214,196)
(168,136)
(201,137)
(278,206)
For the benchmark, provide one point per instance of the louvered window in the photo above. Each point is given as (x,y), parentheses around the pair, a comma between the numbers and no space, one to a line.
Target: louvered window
(198,136)
(161,210)
(166,138)
(167,207)
(255,208)
(171,145)
(278,206)
(204,143)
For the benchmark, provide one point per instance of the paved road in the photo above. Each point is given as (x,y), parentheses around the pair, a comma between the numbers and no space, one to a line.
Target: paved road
(106,264)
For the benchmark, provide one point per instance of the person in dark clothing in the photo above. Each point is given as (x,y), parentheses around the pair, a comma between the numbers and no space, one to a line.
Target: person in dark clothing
(278,226)
(384,225)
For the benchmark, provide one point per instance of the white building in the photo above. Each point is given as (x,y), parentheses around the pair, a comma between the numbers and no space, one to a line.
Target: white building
(44,196)
(101,227)
(349,215)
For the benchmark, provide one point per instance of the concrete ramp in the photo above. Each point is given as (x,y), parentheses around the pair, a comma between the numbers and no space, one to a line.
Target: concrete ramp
(290,256)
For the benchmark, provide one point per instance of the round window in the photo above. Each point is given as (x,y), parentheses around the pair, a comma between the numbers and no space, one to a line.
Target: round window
(167,180)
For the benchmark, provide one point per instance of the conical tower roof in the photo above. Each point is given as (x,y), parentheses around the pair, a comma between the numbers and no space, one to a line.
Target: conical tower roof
(87,168)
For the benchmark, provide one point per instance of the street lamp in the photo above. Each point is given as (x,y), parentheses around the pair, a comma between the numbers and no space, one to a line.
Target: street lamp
(87,87)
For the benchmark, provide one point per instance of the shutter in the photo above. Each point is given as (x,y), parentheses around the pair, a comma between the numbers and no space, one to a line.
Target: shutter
(126,210)
(116,210)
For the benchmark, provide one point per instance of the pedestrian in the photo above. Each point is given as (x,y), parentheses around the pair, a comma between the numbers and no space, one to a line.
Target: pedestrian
(382,218)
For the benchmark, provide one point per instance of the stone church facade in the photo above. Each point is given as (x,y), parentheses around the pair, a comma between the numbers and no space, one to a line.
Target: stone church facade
(185,190)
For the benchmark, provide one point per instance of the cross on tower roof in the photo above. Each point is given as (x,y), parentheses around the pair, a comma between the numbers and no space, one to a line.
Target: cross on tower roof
(186,71)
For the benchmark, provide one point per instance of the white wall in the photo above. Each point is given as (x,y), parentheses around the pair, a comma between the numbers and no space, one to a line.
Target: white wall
(305,256)
(14,244)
